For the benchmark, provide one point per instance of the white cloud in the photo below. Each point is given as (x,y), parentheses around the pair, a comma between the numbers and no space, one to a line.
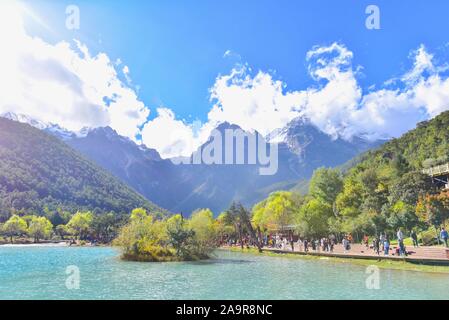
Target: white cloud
(327,62)
(422,63)
(262,103)
(63,83)
(172,137)
(256,103)
(336,103)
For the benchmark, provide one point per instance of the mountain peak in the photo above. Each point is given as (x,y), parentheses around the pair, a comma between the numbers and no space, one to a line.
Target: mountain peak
(51,128)
(103,131)
(226,125)
(22,118)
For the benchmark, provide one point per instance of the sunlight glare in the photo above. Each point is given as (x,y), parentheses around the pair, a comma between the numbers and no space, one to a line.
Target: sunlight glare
(11,20)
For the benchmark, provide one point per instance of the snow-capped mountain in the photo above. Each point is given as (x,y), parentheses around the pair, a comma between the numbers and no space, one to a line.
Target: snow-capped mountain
(48,127)
(306,140)
(186,187)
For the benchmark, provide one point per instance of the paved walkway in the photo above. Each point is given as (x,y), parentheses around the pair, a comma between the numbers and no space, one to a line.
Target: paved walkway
(422,254)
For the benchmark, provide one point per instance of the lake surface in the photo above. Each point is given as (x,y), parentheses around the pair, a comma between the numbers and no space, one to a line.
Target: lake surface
(40,273)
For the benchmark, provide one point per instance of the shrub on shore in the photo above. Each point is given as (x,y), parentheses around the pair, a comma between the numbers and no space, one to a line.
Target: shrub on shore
(146,238)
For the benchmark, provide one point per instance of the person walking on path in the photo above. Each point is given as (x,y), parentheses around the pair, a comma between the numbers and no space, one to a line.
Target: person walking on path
(386,246)
(400,235)
(402,250)
(376,245)
(299,243)
(414,237)
(346,245)
(444,235)
(366,241)
(350,238)
(382,240)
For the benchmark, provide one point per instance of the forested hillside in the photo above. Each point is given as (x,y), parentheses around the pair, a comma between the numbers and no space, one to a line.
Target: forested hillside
(39,173)
(383,191)
(425,146)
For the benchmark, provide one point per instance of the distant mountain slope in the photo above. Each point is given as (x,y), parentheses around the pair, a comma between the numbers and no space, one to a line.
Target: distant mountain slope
(184,188)
(39,171)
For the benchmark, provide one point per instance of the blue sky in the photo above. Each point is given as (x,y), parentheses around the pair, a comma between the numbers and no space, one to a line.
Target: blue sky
(175,48)
(175,51)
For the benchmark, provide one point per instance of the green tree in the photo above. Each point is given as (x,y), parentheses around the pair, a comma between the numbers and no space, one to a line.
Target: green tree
(80,224)
(277,211)
(433,210)
(224,228)
(143,237)
(202,223)
(105,226)
(62,231)
(233,217)
(313,218)
(179,236)
(39,228)
(325,185)
(139,214)
(348,202)
(410,187)
(15,226)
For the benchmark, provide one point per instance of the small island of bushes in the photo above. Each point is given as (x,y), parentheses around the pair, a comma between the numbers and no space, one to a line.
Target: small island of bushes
(152,239)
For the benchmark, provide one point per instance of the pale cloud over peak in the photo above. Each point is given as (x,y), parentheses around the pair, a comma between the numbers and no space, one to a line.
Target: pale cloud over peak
(173,137)
(63,83)
(253,103)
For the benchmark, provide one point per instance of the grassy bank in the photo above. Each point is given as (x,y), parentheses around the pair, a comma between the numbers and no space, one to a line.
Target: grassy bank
(383,264)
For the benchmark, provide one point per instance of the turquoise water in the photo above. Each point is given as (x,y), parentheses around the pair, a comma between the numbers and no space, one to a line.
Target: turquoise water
(40,273)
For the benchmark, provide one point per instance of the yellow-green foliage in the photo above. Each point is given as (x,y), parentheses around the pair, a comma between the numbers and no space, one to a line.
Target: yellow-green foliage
(223,226)
(40,228)
(80,223)
(278,210)
(147,238)
(202,223)
(15,226)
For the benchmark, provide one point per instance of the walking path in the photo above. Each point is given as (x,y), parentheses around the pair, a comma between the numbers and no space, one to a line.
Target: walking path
(429,255)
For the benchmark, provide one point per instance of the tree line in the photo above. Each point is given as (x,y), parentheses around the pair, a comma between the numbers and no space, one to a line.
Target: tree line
(81,226)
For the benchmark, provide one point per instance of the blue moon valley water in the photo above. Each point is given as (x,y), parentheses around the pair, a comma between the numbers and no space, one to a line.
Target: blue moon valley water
(40,273)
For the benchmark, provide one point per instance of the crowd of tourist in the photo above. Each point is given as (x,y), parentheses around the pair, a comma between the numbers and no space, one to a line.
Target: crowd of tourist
(379,244)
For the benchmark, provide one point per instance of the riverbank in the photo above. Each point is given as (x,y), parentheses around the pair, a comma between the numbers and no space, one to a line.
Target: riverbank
(49,243)
(383,264)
